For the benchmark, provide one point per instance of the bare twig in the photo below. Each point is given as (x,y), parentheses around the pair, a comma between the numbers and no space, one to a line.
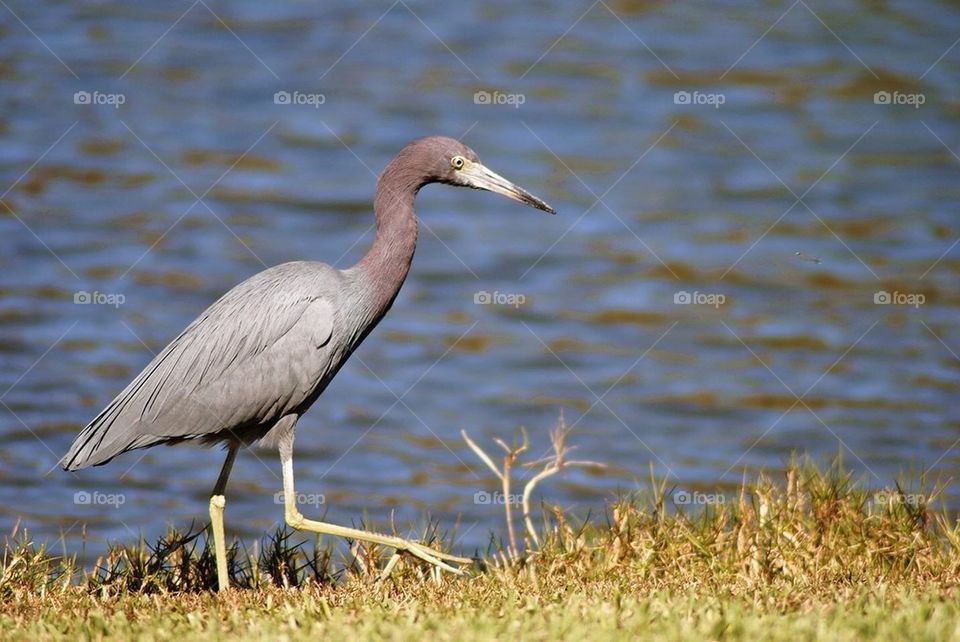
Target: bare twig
(558,438)
(504,475)
(482,455)
(552,466)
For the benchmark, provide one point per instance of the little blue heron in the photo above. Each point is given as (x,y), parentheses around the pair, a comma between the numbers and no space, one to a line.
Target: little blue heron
(248,367)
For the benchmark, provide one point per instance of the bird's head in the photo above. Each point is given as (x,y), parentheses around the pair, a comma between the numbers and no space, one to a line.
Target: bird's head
(449,161)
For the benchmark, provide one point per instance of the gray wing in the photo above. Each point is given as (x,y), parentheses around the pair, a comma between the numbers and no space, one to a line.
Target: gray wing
(250,358)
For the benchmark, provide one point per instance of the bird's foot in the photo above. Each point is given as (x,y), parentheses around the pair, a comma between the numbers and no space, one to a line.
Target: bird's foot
(438,559)
(425,553)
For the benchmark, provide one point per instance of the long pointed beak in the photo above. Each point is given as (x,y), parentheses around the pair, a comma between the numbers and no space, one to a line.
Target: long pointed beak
(479,177)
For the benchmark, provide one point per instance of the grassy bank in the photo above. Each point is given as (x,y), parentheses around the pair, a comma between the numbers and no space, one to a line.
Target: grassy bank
(809,556)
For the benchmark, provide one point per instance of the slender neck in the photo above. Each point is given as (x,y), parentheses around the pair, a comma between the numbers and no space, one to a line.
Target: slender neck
(386,264)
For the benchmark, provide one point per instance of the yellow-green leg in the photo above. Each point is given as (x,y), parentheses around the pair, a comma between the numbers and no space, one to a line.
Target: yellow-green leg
(217,504)
(296,520)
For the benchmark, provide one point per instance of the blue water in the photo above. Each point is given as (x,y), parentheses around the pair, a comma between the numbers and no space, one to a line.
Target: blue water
(781,196)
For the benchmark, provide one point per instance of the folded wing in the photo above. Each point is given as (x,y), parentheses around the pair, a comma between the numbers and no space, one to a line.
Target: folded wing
(250,358)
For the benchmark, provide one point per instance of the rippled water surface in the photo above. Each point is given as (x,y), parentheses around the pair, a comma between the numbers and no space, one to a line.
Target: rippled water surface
(782,215)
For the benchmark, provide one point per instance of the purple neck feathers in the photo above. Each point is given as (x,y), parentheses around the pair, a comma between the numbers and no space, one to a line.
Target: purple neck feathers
(387,262)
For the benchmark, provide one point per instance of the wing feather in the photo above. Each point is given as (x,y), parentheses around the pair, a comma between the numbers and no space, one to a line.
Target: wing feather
(250,356)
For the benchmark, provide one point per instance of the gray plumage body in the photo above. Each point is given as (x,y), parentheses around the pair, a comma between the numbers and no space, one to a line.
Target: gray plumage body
(260,356)
(264,350)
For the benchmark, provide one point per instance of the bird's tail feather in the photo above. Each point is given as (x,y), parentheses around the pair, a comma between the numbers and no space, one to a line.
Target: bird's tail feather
(97,443)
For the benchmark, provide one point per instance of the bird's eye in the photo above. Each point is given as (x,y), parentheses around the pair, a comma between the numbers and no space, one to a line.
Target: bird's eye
(457,162)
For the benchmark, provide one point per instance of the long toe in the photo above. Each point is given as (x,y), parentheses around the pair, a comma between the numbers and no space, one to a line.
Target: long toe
(422,552)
